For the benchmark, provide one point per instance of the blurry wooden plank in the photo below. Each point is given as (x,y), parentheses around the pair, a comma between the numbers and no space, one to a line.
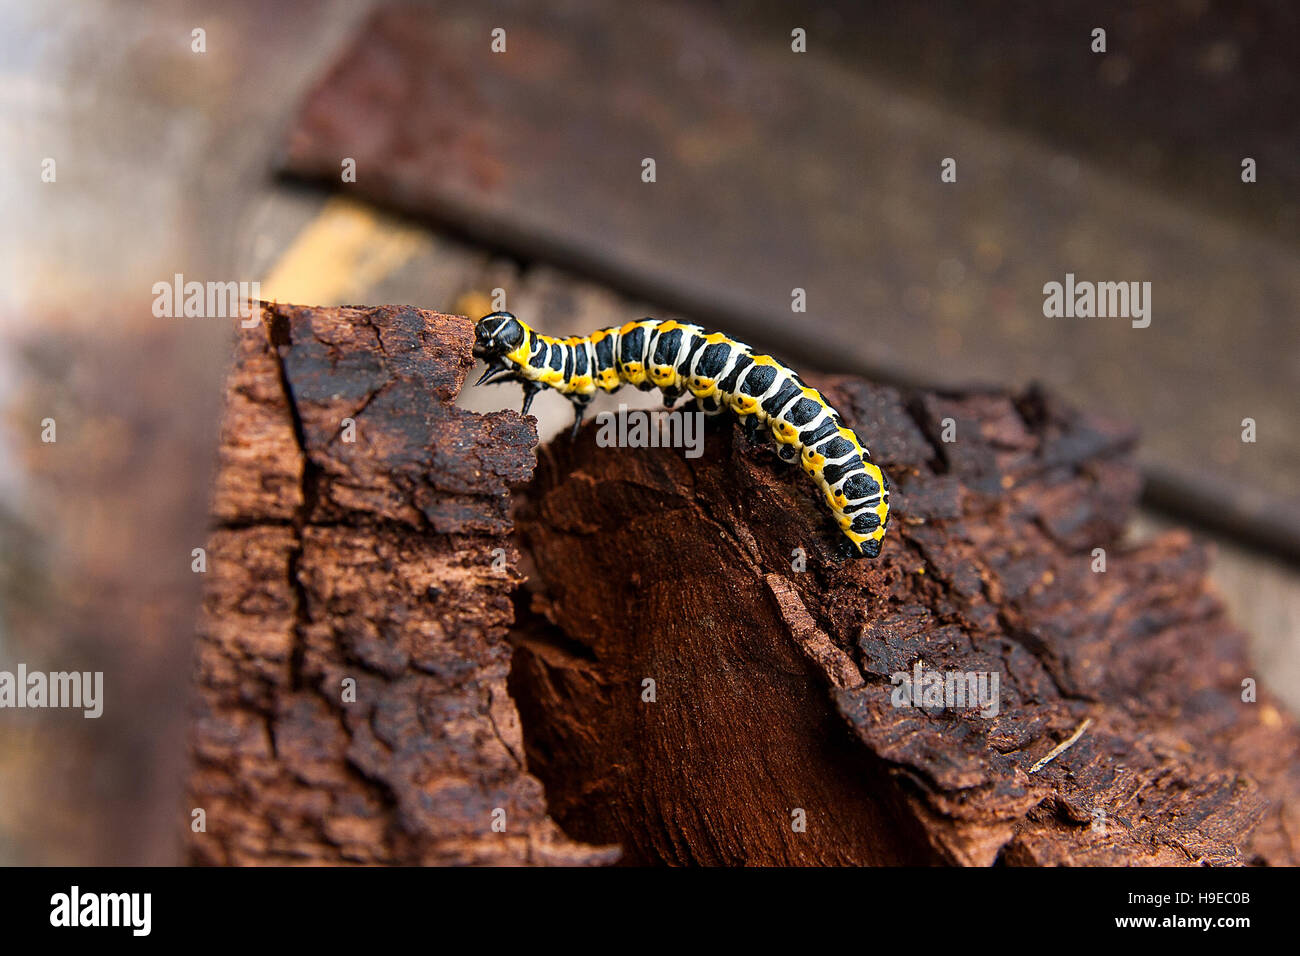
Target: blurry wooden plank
(1182,93)
(778,170)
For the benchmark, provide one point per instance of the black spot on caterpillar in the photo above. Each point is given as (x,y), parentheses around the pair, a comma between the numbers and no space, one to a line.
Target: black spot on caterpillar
(721,374)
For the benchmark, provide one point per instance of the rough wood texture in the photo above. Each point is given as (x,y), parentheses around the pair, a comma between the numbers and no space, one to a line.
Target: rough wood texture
(773,687)
(371,560)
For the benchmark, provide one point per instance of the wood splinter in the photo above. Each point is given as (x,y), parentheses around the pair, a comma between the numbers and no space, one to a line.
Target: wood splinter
(1062,747)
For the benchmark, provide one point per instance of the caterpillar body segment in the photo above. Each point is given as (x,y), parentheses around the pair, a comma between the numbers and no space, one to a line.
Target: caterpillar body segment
(721,375)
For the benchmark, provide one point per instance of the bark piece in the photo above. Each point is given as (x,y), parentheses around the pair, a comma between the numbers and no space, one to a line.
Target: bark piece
(362,536)
(770,733)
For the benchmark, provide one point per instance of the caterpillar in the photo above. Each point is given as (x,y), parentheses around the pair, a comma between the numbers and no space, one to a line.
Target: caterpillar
(720,374)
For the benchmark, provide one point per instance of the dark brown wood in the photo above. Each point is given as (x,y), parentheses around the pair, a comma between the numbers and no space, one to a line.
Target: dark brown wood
(773,686)
(772,697)
(383,560)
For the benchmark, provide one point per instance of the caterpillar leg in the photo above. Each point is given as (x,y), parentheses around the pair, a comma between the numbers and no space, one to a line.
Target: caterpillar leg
(530,392)
(706,405)
(670,396)
(759,437)
(579,409)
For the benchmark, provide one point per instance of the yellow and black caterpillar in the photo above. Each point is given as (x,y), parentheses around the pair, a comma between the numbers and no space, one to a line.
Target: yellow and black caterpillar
(720,373)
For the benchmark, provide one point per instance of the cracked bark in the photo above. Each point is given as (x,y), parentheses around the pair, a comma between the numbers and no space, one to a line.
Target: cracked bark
(369,561)
(372,560)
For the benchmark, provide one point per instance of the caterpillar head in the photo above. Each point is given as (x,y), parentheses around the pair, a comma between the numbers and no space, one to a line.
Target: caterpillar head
(495,337)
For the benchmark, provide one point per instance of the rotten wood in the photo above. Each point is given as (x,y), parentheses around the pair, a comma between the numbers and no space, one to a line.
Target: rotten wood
(362,541)
(770,733)
(774,687)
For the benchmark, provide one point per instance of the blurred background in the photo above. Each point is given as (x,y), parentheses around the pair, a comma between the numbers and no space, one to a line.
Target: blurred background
(499,149)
